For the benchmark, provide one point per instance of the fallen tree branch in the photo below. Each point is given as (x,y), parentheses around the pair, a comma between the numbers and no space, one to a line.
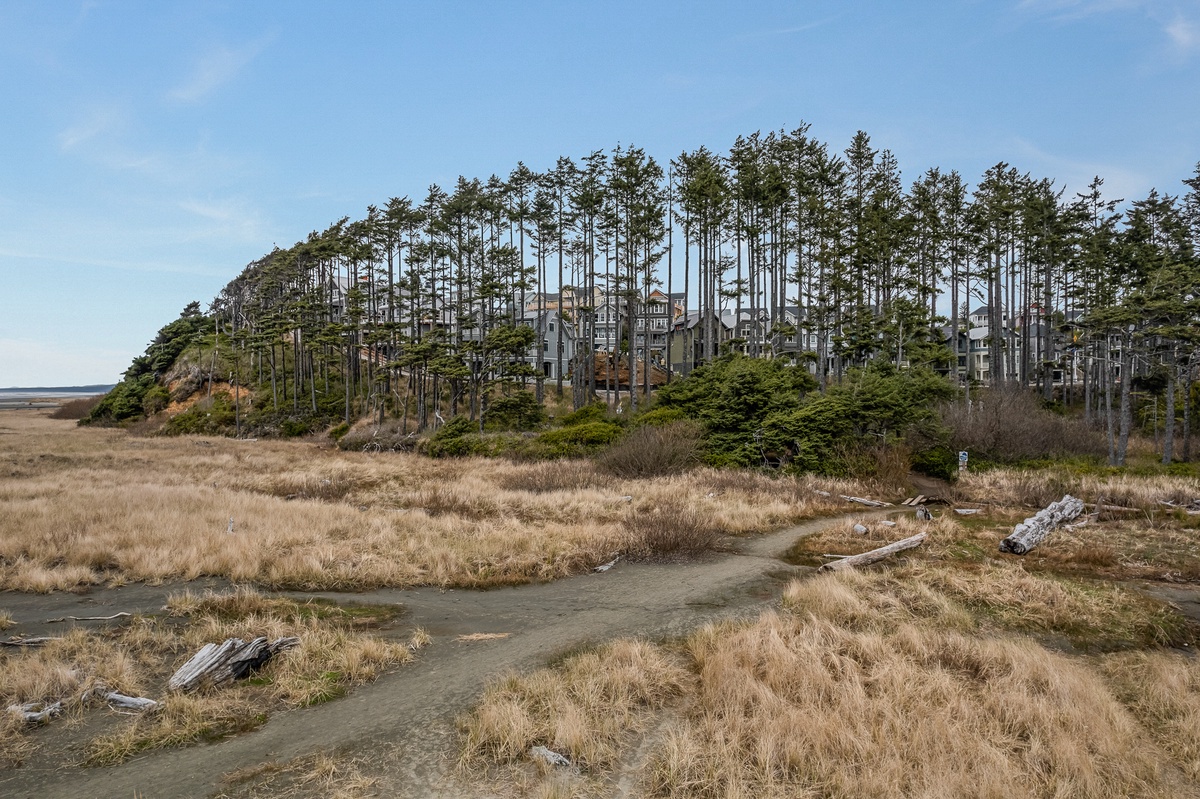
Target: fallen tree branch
(867,558)
(88,618)
(1029,533)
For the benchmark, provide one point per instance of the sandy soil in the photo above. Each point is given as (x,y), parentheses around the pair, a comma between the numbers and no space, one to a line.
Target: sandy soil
(403,724)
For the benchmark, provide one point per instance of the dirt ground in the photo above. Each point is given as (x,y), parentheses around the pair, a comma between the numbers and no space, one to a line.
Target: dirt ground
(403,725)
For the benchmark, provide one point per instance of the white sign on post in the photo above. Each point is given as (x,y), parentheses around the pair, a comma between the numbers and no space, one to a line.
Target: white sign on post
(962,461)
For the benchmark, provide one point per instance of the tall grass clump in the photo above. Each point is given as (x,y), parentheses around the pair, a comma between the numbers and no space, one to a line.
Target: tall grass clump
(586,708)
(654,451)
(670,530)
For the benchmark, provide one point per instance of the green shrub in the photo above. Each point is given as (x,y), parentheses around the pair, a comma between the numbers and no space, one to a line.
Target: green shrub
(596,412)
(156,399)
(340,430)
(520,411)
(213,416)
(936,462)
(658,417)
(457,438)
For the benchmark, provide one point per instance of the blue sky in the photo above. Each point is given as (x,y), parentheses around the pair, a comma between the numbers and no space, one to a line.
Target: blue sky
(150,150)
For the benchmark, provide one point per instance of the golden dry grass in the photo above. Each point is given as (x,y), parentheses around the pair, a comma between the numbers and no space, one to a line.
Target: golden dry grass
(1161,545)
(1029,487)
(881,683)
(86,506)
(335,653)
(585,709)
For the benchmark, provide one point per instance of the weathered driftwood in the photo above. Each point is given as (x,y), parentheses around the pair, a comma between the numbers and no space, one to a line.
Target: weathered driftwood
(819,492)
(1115,508)
(230,660)
(874,555)
(36,712)
(549,756)
(130,702)
(603,567)
(874,503)
(87,618)
(967,511)
(1029,533)
(34,641)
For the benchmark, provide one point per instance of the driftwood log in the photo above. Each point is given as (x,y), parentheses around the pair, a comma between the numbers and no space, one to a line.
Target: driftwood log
(130,702)
(35,641)
(874,555)
(1029,533)
(36,712)
(873,503)
(219,663)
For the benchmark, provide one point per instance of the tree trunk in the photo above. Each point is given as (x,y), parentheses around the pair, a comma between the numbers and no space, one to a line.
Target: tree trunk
(1126,410)
(1169,410)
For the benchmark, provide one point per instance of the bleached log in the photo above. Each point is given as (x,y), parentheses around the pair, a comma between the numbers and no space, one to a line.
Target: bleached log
(232,659)
(966,511)
(1029,533)
(31,716)
(130,702)
(874,503)
(875,555)
(35,641)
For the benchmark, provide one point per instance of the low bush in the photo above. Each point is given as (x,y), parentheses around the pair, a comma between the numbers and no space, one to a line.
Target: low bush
(212,416)
(661,416)
(595,412)
(650,451)
(1009,425)
(577,440)
(457,438)
(76,408)
(520,411)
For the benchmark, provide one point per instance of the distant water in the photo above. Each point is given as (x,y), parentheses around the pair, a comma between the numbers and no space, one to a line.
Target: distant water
(46,396)
(53,392)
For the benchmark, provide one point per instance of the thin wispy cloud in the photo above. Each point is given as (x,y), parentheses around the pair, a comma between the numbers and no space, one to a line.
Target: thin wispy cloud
(94,123)
(785,31)
(1119,183)
(215,69)
(1178,20)
(228,219)
(102,263)
(1184,33)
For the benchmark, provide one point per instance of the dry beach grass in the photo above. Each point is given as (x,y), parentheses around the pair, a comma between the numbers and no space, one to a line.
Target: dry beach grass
(92,506)
(877,684)
(337,651)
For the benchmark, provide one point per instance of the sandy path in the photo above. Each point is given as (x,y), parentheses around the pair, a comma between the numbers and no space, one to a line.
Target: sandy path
(410,713)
